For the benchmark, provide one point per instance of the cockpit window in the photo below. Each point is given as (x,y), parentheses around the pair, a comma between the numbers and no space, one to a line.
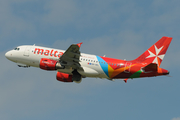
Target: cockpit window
(17,49)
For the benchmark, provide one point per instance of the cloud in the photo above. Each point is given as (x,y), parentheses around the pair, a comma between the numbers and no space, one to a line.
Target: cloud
(60,12)
(176,118)
(11,25)
(87,14)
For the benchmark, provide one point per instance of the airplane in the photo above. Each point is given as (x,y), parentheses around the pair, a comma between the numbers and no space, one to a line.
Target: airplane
(72,65)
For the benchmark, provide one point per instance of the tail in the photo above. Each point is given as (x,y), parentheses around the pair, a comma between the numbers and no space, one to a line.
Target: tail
(155,53)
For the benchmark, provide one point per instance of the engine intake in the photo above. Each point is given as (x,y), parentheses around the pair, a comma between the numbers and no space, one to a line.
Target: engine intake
(48,64)
(63,77)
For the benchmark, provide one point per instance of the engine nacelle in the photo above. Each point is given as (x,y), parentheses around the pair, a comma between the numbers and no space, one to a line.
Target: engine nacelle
(63,77)
(48,64)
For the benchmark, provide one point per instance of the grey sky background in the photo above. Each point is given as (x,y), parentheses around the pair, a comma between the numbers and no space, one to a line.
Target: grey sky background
(115,28)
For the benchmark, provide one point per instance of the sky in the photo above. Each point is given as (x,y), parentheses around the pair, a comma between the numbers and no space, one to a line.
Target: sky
(121,29)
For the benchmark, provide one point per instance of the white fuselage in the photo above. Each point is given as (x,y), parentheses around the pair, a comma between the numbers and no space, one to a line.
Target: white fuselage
(31,56)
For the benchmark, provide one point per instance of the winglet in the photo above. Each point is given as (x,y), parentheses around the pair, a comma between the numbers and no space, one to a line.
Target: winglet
(125,80)
(79,44)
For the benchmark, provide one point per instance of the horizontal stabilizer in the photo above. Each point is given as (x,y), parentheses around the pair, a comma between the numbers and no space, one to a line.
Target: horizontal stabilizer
(152,67)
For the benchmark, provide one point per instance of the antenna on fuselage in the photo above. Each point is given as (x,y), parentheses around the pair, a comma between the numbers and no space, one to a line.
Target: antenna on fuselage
(34,45)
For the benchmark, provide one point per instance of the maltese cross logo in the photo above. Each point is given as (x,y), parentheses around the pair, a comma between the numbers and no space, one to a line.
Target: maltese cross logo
(156,56)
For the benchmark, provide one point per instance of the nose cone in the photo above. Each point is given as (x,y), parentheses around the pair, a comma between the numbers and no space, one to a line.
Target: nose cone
(8,55)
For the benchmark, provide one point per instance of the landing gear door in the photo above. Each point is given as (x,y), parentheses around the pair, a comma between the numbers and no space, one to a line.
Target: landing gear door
(27,51)
(127,67)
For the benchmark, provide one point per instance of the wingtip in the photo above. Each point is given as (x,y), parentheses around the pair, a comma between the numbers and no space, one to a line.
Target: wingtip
(125,80)
(79,44)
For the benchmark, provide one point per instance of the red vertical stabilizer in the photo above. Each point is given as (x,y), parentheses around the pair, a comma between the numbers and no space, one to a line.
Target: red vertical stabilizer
(155,53)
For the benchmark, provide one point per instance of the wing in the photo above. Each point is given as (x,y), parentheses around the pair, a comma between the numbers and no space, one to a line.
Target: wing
(70,58)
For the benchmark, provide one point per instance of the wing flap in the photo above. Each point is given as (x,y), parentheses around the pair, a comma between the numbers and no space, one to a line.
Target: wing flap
(71,59)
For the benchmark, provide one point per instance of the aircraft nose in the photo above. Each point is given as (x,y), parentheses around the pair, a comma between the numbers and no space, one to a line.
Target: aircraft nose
(8,55)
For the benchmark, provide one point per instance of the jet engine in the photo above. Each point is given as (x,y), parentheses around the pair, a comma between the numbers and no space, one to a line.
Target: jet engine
(48,64)
(63,77)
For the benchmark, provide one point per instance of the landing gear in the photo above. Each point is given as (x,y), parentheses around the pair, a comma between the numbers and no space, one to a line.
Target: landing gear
(77,78)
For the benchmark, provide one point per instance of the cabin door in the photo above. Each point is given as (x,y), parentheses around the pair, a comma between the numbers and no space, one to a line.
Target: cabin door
(127,67)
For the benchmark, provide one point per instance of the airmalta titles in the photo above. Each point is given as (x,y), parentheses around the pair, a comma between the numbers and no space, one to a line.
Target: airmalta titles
(48,52)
